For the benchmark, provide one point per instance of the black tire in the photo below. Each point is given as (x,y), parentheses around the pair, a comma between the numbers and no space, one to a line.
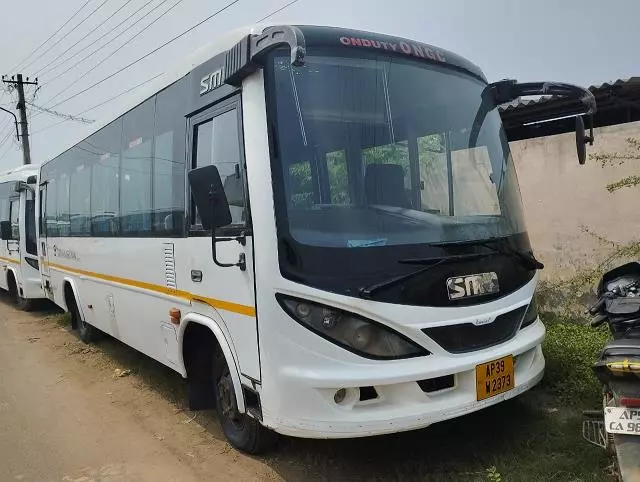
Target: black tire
(25,304)
(86,332)
(17,299)
(242,431)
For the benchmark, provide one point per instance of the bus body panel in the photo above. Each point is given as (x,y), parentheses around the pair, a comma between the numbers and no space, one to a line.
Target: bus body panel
(125,288)
(224,293)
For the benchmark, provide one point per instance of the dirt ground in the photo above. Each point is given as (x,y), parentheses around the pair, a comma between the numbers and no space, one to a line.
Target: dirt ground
(66,416)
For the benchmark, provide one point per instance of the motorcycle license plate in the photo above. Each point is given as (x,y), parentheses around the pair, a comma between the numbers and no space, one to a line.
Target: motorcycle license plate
(494,377)
(622,420)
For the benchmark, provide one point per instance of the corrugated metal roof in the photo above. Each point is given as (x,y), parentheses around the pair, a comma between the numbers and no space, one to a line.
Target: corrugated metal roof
(605,88)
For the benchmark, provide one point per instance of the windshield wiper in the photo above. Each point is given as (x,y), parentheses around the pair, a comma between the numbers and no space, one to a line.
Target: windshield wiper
(368,291)
(527,259)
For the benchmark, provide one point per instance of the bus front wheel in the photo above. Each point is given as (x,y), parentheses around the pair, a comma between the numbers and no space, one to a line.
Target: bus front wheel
(86,332)
(243,432)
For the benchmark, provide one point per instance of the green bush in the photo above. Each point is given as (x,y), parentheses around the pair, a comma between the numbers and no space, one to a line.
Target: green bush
(570,348)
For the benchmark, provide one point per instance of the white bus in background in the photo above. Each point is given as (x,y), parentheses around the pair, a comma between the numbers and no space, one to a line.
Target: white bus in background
(19,267)
(349,256)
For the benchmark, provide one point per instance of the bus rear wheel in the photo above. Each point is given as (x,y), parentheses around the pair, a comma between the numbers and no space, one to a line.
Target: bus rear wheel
(243,432)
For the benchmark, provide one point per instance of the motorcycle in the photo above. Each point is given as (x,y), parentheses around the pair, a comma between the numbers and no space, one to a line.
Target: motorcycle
(617,426)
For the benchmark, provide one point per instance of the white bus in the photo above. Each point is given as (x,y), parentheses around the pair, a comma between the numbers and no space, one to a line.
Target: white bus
(357,263)
(19,267)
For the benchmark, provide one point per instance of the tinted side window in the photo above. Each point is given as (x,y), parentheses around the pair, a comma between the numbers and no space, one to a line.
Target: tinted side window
(135,169)
(51,223)
(62,197)
(79,193)
(169,160)
(217,142)
(4,201)
(30,225)
(105,187)
(14,217)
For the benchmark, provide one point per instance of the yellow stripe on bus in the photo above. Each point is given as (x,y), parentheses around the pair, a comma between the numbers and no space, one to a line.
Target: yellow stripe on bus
(221,304)
(10,260)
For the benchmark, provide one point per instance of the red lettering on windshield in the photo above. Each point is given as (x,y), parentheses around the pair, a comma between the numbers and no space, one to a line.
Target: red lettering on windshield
(414,50)
(417,51)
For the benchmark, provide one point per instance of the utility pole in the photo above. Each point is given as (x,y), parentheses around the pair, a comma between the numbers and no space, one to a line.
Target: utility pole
(18,82)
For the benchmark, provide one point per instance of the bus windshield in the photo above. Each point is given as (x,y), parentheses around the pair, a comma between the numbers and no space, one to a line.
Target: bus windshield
(375,151)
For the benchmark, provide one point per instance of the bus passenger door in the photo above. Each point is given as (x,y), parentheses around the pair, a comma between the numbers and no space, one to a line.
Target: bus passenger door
(29,266)
(42,243)
(216,138)
(10,247)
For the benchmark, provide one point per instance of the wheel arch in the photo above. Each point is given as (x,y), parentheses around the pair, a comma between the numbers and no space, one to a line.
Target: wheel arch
(11,271)
(218,332)
(69,288)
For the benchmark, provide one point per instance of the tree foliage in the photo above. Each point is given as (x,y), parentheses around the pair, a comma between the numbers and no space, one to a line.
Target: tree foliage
(301,176)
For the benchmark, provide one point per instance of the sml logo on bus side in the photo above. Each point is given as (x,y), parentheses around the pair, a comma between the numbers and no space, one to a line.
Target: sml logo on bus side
(211,81)
(65,253)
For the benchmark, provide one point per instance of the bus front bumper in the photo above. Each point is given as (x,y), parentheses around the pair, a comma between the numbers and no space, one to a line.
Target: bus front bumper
(307,399)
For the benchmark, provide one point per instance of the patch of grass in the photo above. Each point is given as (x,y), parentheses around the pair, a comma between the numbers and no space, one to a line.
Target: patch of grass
(62,319)
(571,347)
(518,440)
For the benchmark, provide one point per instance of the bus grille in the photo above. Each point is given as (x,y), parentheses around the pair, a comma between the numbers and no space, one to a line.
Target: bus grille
(466,337)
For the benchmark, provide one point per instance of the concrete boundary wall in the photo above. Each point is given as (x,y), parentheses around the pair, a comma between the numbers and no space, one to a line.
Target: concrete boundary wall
(561,198)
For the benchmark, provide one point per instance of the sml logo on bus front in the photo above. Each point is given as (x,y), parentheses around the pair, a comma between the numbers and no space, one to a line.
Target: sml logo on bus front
(65,253)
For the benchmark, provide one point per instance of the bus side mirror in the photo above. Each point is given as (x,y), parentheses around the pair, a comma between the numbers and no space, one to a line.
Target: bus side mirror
(5,230)
(582,140)
(209,196)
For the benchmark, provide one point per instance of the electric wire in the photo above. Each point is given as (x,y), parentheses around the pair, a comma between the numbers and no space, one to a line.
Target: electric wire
(65,35)
(99,64)
(51,36)
(131,16)
(151,52)
(38,72)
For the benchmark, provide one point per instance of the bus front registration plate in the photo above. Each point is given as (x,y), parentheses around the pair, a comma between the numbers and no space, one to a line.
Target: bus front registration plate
(494,377)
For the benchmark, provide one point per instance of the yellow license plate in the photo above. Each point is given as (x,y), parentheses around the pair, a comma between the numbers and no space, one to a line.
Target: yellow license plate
(494,377)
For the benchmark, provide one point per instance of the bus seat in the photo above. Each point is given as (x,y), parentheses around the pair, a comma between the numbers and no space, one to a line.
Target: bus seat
(384,185)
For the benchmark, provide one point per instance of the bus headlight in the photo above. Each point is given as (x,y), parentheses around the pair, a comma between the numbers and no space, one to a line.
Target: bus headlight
(350,331)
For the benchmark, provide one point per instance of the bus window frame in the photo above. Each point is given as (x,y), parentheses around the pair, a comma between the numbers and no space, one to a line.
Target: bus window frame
(218,108)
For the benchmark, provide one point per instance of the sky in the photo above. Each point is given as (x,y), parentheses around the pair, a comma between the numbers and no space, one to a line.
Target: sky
(579,41)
